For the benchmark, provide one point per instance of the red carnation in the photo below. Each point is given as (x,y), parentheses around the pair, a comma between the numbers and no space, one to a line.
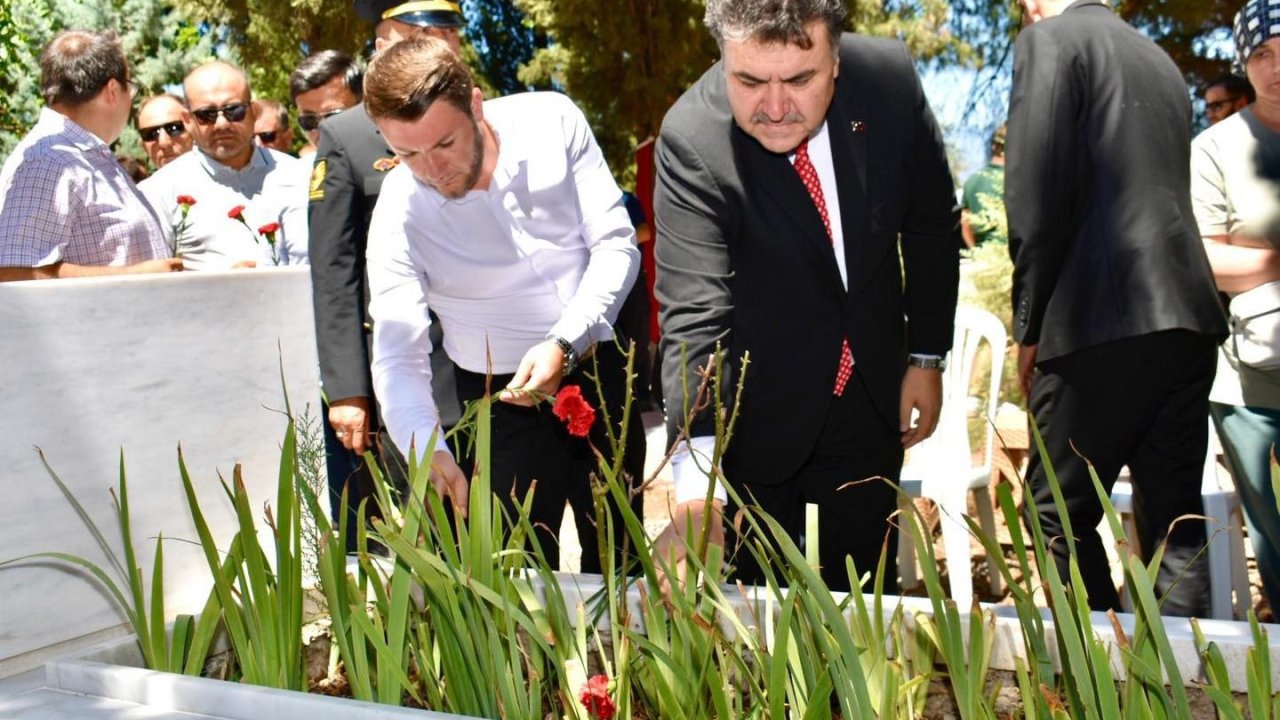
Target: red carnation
(595,694)
(236,213)
(574,411)
(187,201)
(270,230)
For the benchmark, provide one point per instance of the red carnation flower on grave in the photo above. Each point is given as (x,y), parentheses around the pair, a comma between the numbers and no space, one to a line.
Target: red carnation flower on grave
(236,213)
(575,412)
(186,201)
(270,230)
(595,694)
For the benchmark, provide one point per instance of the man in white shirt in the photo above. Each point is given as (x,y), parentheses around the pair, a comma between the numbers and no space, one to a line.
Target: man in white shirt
(227,170)
(504,219)
(67,208)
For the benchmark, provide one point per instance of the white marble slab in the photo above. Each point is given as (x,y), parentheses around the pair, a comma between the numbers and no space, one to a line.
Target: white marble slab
(139,363)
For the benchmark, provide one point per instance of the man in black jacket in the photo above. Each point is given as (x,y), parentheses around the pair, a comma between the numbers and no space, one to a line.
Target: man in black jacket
(1114,303)
(790,177)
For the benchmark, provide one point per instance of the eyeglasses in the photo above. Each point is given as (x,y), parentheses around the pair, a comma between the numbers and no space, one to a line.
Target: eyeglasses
(266,137)
(172,129)
(311,121)
(235,112)
(1220,105)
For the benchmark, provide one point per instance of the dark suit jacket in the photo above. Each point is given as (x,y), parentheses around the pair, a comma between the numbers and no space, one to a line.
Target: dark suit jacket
(744,260)
(1097,187)
(343,194)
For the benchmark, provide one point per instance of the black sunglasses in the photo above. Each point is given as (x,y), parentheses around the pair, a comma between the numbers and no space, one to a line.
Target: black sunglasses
(266,137)
(235,112)
(311,121)
(1220,105)
(172,129)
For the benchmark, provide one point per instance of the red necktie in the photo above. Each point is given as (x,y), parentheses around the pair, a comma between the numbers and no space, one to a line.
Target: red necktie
(809,176)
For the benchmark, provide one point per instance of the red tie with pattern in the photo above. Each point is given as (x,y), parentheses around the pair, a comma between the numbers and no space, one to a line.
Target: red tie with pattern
(809,176)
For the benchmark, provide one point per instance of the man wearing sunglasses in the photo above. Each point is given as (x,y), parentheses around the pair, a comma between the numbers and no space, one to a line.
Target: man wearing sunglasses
(67,207)
(323,85)
(271,127)
(351,161)
(228,170)
(164,135)
(1225,96)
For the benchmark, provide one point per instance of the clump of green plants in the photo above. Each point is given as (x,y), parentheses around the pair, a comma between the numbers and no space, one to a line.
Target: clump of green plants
(463,614)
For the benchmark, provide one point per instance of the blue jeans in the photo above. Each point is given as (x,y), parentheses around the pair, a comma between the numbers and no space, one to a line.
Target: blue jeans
(1248,434)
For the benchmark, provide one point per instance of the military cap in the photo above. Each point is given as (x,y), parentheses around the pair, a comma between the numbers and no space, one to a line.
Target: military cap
(426,13)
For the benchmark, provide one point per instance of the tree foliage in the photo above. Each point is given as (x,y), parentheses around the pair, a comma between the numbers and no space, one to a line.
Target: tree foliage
(159,43)
(500,41)
(627,63)
(270,37)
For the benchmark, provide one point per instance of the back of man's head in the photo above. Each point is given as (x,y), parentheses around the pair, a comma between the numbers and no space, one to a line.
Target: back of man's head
(405,79)
(77,64)
(774,21)
(319,69)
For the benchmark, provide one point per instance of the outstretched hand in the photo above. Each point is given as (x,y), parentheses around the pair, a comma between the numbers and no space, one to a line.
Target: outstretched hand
(537,376)
(671,548)
(449,481)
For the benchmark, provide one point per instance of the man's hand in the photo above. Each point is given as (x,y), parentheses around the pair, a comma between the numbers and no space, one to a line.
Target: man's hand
(162,265)
(449,481)
(672,546)
(1026,368)
(921,391)
(350,420)
(539,370)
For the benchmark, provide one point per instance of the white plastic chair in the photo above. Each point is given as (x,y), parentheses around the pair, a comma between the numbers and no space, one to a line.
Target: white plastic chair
(1224,529)
(941,468)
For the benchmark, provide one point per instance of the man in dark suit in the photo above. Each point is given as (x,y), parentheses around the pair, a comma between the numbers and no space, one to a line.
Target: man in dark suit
(1114,302)
(351,161)
(790,177)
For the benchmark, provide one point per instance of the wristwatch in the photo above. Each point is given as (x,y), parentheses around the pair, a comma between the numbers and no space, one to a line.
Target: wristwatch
(927,362)
(570,355)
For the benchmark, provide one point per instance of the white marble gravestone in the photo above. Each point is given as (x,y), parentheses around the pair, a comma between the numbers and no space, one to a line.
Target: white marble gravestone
(136,363)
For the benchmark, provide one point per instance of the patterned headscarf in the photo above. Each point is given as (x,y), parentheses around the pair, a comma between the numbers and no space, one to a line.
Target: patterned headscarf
(1257,22)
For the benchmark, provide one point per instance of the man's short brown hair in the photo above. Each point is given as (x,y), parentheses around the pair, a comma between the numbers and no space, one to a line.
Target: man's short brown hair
(77,64)
(404,80)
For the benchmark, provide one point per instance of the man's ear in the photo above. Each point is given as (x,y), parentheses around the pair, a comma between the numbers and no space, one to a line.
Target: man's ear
(477,104)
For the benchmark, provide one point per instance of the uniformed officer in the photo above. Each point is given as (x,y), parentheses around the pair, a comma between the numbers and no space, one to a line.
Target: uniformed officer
(351,161)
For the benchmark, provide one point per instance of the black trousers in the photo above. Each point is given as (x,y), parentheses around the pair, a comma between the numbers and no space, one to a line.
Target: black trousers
(846,476)
(1141,402)
(531,444)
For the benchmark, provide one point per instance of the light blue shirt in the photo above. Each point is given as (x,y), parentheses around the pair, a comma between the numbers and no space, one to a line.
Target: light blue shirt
(271,188)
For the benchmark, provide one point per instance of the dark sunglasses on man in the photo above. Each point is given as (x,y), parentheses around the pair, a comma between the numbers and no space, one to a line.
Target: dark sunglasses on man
(172,129)
(1221,105)
(235,112)
(311,121)
(266,137)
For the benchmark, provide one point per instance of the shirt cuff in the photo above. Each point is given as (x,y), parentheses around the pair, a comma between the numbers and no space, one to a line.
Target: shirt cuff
(691,470)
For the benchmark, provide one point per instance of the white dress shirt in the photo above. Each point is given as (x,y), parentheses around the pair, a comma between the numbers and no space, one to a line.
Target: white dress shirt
(272,188)
(692,460)
(547,250)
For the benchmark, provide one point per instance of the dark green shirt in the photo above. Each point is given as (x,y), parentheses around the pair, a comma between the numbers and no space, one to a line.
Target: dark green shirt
(984,199)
